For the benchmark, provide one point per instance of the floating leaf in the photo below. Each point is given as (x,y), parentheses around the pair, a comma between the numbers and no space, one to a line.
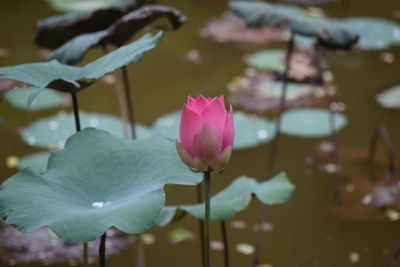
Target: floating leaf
(47,99)
(310,122)
(234,198)
(270,59)
(390,98)
(245,248)
(117,34)
(83,5)
(257,14)
(57,76)
(98,178)
(54,31)
(37,161)
(275,191)
(49,249)
(311,2)
(231,28)
(354,257)
(12,161)
(250,130)
(375,33)
(52,132)
(260,92)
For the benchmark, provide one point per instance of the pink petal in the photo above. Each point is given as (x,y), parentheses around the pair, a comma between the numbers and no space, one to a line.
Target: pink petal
(190,125)
(199,103)
(190,101)
(223,159)
(229,131)
(222,99)
(184,154)
(207,143)
(215,114)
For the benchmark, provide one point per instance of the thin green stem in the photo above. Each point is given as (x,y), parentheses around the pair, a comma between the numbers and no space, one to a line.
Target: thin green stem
(102,250)
(274,147)
(140,257)
(201,223)
(86,254)
(128,98)
(76,111)
(207,182)
(225,241)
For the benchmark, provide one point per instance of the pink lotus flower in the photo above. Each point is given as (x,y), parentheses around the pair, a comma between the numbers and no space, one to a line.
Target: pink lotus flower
(206,133)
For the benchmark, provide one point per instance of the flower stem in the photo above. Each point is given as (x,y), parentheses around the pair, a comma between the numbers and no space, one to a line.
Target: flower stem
(201,223)
(102,250)
(225,241)
(76,111)
(128,98)
(207,181)
(86,254)
(274,146)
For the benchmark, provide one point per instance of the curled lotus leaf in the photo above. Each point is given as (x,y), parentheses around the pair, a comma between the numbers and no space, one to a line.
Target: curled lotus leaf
(329,34)
(117,34)
(234,198)
(99,178)
(61,77)
(37,161)
(54,31)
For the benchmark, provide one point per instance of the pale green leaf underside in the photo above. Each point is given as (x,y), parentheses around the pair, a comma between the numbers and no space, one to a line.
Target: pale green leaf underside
(97,181)
(37,161)
(250,130)
(57,76)
(52,132)
(310,122)
(390,98)
(234,199)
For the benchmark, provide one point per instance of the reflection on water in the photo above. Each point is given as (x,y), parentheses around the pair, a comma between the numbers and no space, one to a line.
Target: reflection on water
(310,227)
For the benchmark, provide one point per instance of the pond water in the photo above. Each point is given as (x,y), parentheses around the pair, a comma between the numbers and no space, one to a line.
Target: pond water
(310,229)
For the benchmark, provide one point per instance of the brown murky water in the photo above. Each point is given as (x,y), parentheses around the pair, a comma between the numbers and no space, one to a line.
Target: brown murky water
(308,230)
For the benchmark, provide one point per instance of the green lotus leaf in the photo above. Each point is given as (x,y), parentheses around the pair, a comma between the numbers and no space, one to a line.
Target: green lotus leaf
(18,97)
(54,31)
(57,76)
(389,98)
(310,122)
(83,5)
(250,130)
(97,181)
(270,59)
(52,132)
(117,34)
(234,199)
(330,34)
(36,161)
(274,191)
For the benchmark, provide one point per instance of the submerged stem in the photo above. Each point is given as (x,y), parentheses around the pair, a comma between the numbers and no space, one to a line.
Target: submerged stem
(76,111)
(86,254)
(274,146)
(201,223)
(128,98)
(207,181)
(225,241)
(102,250)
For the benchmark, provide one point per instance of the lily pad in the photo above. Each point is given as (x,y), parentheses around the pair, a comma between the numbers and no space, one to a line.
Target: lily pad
(46,100)
(260,91)
(250,130)
(310,122)
(57,76)
(390,98)
(303,62)
(54,31)
(329,34)
(82,5)
(52,132)
(231,29)
(37,161)
(98,178)
(117,34)
(234,198)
